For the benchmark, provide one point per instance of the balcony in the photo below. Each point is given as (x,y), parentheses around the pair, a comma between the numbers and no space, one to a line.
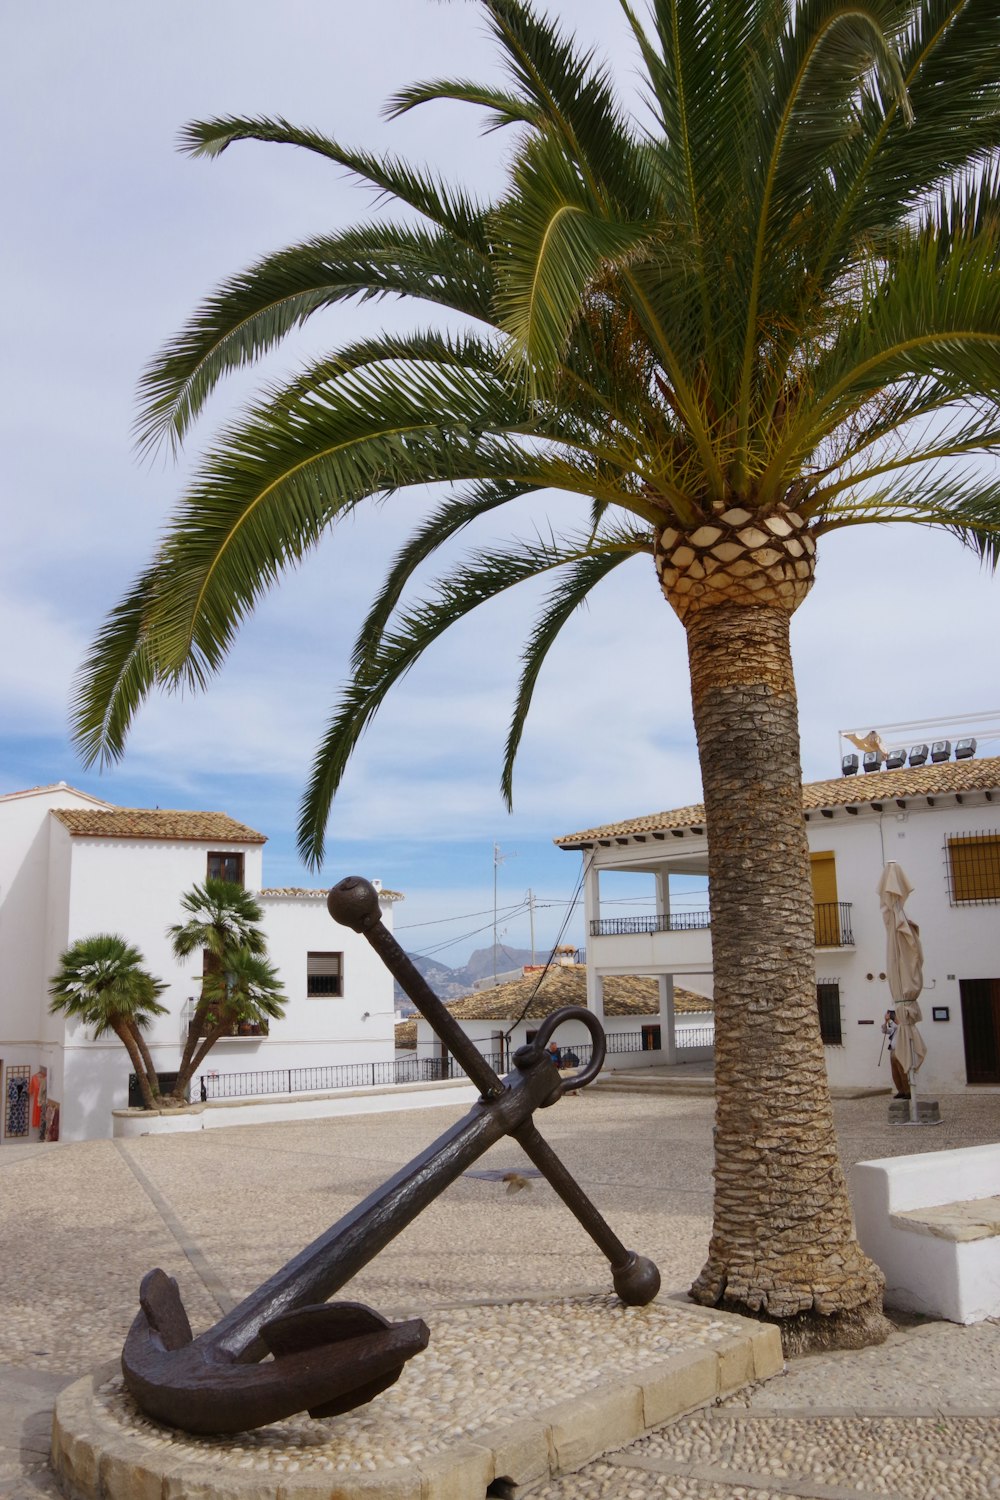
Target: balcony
(674,921)
(833,924)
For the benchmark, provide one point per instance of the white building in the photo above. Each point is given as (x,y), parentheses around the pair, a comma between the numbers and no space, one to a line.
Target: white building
(72,866)
(941,823)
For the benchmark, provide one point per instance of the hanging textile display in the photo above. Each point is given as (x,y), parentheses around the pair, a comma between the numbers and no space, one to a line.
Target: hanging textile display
(51,1122)
(17,1099)
(38,1090)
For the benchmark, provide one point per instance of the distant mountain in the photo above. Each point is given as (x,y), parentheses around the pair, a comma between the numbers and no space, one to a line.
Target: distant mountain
(481,965)
(451,984)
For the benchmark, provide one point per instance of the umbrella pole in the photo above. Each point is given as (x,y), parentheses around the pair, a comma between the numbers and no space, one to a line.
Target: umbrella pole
(913,1098)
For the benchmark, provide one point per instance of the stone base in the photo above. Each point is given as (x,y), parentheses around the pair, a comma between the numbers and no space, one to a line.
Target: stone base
(928,1112)
(518,1391)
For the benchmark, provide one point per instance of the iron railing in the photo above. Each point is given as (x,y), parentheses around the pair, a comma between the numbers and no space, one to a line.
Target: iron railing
(833,924)
(271,1081)
(673,921)
(694,1036)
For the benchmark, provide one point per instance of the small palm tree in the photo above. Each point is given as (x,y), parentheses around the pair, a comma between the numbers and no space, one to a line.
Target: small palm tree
(239,984)
(767,309)
(101,981)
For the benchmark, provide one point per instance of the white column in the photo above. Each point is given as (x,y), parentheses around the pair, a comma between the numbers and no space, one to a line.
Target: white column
(667,1033)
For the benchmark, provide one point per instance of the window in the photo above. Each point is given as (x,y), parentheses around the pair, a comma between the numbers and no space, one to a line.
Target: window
(324,974)
(226,867)
(651,1039)
(974,868)
(828,1003)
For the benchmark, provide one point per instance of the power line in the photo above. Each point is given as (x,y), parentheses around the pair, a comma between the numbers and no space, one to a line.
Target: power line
(462,917)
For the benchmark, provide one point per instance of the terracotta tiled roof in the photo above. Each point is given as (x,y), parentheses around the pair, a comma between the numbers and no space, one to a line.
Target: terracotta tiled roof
(298,890)
(845,791)
(156,823)
(624,995)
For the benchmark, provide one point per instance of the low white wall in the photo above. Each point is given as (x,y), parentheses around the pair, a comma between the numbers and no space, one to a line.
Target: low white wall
(924,1273)
(219,1113)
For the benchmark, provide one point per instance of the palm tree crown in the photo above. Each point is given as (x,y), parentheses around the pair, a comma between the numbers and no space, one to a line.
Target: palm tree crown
(101,981)
(222,918)
(774,294)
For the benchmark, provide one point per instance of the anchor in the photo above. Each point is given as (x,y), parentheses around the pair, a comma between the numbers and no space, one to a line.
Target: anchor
(327,1358)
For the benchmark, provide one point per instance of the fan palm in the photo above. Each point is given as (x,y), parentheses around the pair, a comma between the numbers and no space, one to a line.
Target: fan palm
(101,982)
(223,922)
(768,309)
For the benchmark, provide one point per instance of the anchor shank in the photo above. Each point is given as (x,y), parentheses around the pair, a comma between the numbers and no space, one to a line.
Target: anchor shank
(323,1267)
(345,907)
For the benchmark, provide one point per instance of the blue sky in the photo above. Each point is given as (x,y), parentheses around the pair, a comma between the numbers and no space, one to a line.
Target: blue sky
(110,239)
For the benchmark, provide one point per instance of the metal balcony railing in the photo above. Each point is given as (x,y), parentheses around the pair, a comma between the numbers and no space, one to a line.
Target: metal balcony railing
(674,921)
(833,924)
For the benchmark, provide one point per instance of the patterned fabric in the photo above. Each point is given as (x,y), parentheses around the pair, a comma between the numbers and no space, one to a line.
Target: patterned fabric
(17,1106)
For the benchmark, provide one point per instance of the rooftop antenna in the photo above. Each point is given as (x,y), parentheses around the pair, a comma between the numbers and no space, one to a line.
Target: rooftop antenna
(498,860)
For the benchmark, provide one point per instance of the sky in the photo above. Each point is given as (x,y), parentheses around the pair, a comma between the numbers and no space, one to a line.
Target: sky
(110,239)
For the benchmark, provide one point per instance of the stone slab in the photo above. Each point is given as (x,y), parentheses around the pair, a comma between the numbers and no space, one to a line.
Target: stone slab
(522,1391)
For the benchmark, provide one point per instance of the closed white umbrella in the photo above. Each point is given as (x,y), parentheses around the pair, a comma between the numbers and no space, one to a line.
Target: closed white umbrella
(904,971)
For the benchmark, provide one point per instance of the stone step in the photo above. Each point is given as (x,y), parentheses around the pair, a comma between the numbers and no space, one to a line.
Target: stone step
(644,1083)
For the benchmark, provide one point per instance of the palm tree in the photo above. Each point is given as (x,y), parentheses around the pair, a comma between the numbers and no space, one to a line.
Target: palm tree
(767,309)
(101,982)
(238,984)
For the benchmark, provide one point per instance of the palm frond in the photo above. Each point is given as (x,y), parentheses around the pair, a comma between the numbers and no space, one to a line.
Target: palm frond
(116,677)
(505,108)
(568,596)
(443,204)
(440,527)
(252,312)
(483,577)
(966,504)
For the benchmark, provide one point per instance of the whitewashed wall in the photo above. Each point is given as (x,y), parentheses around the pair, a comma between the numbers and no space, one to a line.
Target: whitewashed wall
(56,888)
(959,942)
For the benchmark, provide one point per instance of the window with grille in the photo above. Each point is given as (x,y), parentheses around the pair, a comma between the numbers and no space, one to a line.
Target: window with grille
(324,974)
(828,1004)
(223,866)
(973,868)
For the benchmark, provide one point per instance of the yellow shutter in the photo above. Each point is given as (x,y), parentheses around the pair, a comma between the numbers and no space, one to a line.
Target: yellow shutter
(824,884)
(975,868)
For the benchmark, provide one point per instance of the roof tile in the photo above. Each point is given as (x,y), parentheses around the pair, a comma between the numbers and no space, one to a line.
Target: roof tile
(156,823)
(564,984)
(844,791)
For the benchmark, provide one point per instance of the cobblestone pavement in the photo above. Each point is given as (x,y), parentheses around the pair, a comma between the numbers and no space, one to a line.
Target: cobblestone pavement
(221,1209)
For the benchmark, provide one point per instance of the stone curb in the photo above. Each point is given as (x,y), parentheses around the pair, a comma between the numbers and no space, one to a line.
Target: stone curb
(95,1461)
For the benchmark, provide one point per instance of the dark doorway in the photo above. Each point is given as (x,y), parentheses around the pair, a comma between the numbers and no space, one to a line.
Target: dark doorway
(981,1028)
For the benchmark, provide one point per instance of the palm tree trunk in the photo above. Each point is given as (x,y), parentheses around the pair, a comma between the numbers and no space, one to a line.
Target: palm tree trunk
(782,1244)
(128,1041)
(191,1064)
(147,1060)
(194,1035)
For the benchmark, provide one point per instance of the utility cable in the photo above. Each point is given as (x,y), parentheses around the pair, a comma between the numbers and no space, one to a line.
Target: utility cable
(571,904)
